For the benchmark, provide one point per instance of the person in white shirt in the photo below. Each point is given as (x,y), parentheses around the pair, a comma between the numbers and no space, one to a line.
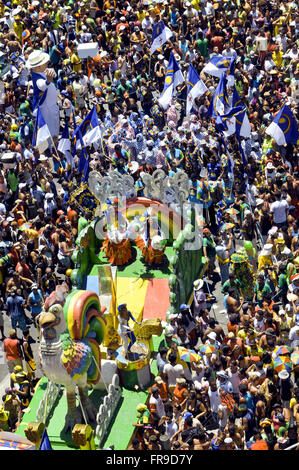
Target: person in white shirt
(279,209)
(228,51)
(215,399)
(223,415)
(172,371)
(233,377)
(156,405)
(294,337)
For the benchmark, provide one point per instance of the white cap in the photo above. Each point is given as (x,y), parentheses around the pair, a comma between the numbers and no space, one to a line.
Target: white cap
(212,335)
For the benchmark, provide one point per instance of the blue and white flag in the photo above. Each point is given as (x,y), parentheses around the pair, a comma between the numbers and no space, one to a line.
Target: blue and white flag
(284,129)
(196,88)
(243,127)
(173,78)
(89,129)
(65,143)
(64,147)
(219,104)
(161,34)
(219,64)
(41,132)
(226,123)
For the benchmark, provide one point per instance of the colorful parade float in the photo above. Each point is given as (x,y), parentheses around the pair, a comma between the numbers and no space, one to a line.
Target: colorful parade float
(135,262)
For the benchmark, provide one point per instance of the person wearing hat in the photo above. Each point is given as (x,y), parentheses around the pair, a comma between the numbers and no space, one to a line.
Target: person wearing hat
(21,387)
(4,417)
(34,301)
(162,387)
(124,330)
(12,405)
(199,297)
(44,91)
(180,393)
(143,417)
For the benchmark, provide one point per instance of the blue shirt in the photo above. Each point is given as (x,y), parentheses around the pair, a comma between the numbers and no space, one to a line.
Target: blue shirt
(35,298)
(15,305)
(214,171)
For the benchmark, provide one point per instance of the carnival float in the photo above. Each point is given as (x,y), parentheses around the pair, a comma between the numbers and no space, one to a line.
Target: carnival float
(135,262)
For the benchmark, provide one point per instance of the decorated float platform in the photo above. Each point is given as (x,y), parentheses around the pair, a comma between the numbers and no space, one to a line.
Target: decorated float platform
(120,431)
(152,280)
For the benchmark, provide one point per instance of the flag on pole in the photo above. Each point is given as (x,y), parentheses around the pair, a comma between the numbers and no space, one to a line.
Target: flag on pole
(219,102)
(161,34)
(173,78)
(196,88)
(65,143)
(284,129)
(227,122)
(219,64)
(243,127)
(89,129)
(41,132)
(45,442)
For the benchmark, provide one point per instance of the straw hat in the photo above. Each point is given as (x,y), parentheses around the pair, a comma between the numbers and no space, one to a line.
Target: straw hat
(198,284)
(37,58)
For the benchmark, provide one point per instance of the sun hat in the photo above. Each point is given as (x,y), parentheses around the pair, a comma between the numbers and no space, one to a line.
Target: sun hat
(198,284)
(37,58)
(168,332)
(158,380)
(283,374)
(141,407)
(212,335)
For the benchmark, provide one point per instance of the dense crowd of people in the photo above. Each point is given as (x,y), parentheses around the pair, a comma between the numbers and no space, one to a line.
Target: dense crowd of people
(238,388)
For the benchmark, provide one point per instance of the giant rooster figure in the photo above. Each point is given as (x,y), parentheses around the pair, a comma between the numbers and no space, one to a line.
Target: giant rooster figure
(71,331)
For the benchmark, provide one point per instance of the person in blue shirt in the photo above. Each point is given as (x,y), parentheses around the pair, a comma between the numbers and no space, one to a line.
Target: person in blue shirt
(175,157)
(15,308)
(214,169)
(35,299)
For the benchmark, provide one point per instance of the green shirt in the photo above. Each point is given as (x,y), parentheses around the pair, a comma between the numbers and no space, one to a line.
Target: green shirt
(210,246)
(235,285)
(202,47)
(261,292)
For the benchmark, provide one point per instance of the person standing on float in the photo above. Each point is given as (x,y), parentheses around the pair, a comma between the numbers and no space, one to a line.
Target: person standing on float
(44,91)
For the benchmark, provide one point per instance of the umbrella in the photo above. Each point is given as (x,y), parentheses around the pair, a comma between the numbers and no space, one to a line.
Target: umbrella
(200,221)
(282,350)
(232,211)
(207,349)
(226,226)
(283,362)
(25,226)
(295,358)
(189,355)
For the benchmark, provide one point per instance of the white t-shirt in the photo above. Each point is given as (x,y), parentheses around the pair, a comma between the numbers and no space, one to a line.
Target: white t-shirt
(223,420)
(158,405)
(215,400)
(234,380)
(279,210)
(171,428)
(173,373)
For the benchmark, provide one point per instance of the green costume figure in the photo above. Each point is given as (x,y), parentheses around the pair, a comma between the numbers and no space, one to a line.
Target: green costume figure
(242,268)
